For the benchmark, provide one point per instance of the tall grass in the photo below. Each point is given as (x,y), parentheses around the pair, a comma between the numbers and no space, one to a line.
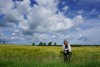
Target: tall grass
(47,56)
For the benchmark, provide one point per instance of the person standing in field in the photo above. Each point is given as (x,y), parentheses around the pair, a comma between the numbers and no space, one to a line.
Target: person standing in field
(66,51)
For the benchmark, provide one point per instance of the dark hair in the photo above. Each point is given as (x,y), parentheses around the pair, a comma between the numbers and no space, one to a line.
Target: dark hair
(65,41)
(66,46)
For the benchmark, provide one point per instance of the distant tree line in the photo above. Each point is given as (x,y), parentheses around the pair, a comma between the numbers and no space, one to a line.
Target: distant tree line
(44,44)
(55,44)
(80,45)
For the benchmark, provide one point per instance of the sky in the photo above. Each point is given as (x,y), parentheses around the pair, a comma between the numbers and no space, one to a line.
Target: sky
(28,21)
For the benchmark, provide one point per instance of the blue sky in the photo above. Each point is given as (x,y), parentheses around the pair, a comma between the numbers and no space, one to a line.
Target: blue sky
(27,21)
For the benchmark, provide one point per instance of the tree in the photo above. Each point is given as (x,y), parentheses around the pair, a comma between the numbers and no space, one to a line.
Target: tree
(3,42)
(55,44)
(33,44)
(40,44)
(44,44)
(50,43)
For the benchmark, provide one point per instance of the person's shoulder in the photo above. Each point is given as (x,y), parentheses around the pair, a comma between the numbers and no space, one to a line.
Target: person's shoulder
(69,45)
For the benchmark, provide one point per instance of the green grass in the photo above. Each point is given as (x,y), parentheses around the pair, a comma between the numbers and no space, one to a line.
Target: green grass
(47,56)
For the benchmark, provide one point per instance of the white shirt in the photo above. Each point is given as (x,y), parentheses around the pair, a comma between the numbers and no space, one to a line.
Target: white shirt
(68,48)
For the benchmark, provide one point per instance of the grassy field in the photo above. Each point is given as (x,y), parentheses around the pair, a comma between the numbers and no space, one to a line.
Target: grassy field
(47,56)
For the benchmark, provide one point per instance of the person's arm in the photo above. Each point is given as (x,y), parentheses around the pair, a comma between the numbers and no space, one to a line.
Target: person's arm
(69,47)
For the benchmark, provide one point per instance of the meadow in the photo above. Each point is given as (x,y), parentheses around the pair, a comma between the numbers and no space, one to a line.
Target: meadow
(47,56)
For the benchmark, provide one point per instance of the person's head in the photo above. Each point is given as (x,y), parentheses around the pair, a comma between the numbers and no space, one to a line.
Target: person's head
(65,42)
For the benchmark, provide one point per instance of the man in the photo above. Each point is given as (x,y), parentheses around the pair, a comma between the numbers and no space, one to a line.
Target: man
(67,51)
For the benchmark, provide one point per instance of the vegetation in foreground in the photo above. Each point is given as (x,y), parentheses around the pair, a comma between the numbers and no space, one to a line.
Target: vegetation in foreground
(47,56)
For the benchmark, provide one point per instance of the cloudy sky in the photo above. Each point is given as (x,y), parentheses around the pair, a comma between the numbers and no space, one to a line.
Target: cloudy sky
(27,21)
